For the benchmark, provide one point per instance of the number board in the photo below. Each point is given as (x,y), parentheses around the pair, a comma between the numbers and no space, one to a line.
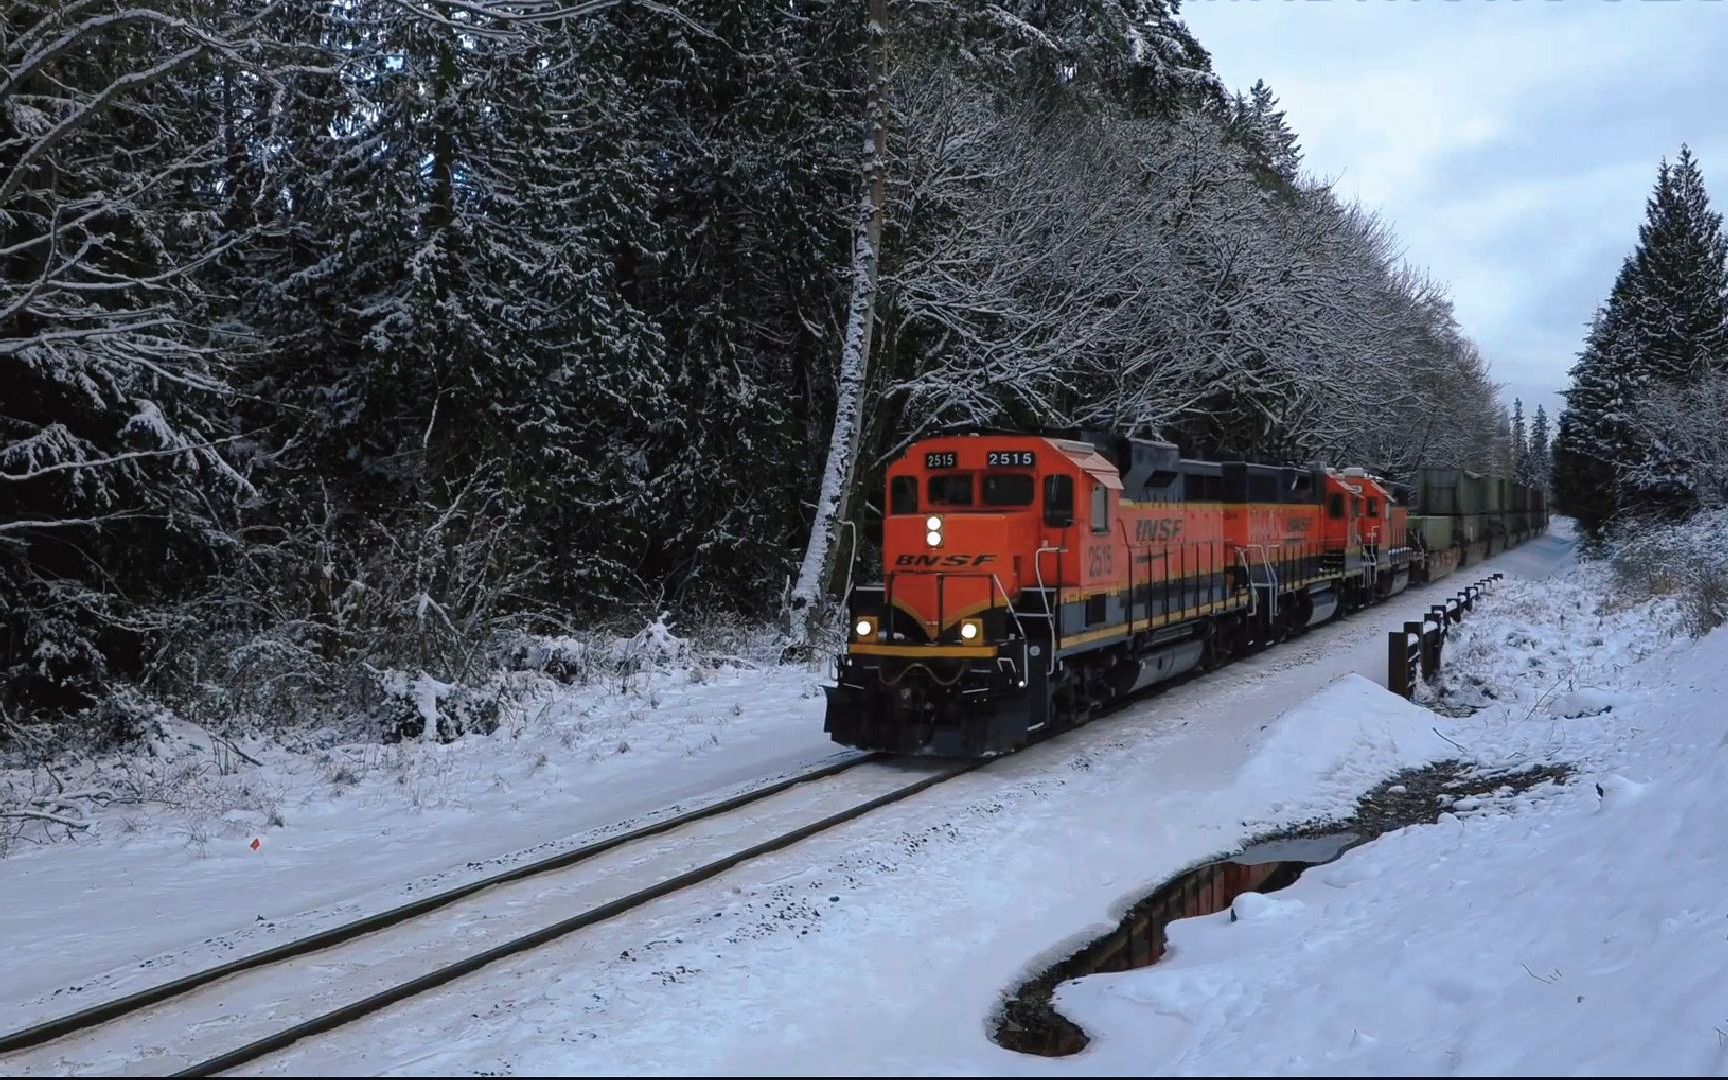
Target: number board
(1012,459)
(945,460)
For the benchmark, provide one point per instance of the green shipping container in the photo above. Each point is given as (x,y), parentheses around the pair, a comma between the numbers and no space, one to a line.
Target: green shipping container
(1472,494)
(1439,490)
(1436,532)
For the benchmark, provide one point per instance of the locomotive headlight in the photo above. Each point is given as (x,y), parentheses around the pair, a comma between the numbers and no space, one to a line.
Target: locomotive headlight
(933,538)
(933,523)
(866,629)
(971,630)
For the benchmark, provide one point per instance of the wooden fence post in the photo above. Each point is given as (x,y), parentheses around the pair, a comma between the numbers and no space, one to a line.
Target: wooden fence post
(1398,674)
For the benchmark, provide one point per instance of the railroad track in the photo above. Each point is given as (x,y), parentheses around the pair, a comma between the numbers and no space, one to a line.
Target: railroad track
(224,1016)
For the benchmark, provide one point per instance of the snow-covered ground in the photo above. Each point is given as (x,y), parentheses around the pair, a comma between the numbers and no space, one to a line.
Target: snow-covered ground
(882,946)
(159,889)
(1577,932)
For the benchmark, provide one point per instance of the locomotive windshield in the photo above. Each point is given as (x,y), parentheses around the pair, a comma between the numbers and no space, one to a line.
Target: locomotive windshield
(951,489)
(903,495)
(1008,489)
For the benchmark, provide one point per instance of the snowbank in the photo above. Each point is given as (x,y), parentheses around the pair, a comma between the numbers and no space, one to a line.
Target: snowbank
(1579,930)
(1348,737)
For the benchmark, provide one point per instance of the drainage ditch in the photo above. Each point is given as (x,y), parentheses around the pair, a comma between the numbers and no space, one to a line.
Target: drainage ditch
(1029,1022)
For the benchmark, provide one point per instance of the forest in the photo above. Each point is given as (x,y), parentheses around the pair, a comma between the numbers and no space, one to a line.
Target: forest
(344,339)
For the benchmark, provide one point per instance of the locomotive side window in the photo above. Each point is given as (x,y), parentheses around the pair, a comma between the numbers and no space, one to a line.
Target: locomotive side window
(1008,489)
(1373,507)
(1336,506)
(1202,487)
(903,495)
(1059,501)
(1100,508)
(951,490)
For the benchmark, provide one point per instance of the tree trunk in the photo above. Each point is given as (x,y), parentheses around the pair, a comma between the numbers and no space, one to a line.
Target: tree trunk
(810,591)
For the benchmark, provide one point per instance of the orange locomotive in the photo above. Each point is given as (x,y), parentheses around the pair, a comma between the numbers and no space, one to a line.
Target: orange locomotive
(1029,580)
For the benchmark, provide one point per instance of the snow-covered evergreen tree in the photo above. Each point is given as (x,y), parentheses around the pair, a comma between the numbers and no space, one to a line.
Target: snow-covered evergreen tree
(115,488)
(1520,445)
(1540,462)
(1258,122)
(1680,307)
(1594,432)
(1664,325)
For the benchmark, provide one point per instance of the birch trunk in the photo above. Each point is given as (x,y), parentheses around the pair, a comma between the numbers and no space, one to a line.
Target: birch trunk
(810,591)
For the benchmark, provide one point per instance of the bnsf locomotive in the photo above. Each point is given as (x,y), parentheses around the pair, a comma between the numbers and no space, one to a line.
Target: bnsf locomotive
(1029,580)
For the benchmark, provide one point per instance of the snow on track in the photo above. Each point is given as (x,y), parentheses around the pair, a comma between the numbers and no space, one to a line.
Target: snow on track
(367,828)
(251,1005)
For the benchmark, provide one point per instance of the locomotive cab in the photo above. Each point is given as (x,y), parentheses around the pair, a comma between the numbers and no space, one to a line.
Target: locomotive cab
(950,652)
(959,519)
(1365,531)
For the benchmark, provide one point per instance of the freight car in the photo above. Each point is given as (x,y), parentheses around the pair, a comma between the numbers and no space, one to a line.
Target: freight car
(1030,580)
(1461,518)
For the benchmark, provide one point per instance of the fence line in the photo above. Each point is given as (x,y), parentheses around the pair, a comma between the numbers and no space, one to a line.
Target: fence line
(1413,653)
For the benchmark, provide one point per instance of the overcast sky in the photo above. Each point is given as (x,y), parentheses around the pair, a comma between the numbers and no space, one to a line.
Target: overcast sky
(1511,143)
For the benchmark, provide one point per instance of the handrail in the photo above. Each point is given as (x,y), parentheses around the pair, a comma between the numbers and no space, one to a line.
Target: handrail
(1007,600)
(1271,580)
(1055,626)
(1248,577)
(1272,577)
(851,563)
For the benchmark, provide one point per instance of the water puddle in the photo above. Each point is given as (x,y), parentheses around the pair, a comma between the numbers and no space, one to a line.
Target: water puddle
(1029,1022)
(1307,850)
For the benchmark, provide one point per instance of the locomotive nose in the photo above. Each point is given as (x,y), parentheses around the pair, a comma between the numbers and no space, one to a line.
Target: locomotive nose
(949,571)
(947,543)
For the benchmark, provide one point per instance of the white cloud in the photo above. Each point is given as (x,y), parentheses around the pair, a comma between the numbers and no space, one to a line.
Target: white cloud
(1511,145)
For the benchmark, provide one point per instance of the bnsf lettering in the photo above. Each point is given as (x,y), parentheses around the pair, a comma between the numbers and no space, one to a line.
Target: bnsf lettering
(944,560)
(1160,529)
(1099,561)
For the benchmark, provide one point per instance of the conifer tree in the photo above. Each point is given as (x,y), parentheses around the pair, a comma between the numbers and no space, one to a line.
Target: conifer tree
(1520,448)
(1257,120)
(116,481)
(1680,307)
(1539,459)
(1595,431)
(1665,325)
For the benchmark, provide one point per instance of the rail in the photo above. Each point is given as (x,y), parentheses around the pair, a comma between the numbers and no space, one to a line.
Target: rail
(1248,579)
(347,1014)
(110,1011)
(1271,583)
